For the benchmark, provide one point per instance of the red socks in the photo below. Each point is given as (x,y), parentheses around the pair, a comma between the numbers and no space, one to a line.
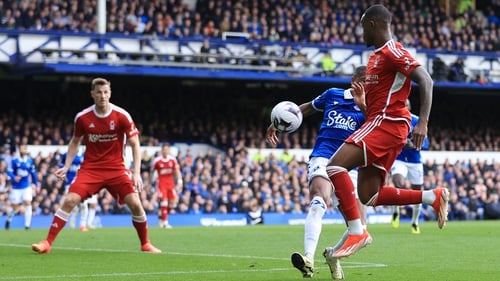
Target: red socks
(56,226)
(389,195)
(142,231)
(344,190)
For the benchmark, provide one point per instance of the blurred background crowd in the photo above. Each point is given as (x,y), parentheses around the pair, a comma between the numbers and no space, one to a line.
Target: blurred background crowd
(225,180)
(462,25)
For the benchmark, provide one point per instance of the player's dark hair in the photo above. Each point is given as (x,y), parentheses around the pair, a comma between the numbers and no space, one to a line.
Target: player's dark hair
(359,71)
(378,12)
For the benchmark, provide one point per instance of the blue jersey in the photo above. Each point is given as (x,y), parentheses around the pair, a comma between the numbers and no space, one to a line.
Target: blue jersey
(23,167)
(412,155)
(341,117)
(73,168)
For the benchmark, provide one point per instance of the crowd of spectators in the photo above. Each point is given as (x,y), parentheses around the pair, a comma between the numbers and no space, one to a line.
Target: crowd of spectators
(231,182)
(419,24)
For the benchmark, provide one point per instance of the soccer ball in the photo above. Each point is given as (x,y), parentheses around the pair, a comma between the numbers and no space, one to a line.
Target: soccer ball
(286,117)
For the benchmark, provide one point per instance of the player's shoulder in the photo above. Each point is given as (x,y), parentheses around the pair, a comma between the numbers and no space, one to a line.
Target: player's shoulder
(121,111)
(84,112)
(393,48)
(333,93)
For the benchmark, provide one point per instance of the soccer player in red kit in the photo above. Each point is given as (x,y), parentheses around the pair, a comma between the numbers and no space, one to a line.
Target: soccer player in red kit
(166,167)
(374,147)
(104,128)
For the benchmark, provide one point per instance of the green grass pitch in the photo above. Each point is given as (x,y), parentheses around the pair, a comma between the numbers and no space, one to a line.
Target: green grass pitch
(462,251)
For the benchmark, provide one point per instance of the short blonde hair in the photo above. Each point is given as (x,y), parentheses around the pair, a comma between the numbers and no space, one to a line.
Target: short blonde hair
(99,82)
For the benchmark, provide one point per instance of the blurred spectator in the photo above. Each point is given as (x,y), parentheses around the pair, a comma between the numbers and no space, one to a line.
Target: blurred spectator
(261,55)
(209,53)
(439,70)
(327,64)
(492,208)
(457,72)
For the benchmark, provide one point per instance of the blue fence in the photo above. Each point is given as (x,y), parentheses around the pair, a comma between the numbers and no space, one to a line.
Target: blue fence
(206,220)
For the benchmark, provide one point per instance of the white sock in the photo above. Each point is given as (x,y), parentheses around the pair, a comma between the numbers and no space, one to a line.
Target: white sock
(428,197)
(11,214)
(355,227)
(72,217)
(28,213)
(84,214)
(90,219)
(313,225)
(416,213)
(395,210)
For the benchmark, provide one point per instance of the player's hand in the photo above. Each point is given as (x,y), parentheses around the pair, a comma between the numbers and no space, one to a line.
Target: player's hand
(419,133)
(61,173)
(359,94)
(271,136)
(137,180)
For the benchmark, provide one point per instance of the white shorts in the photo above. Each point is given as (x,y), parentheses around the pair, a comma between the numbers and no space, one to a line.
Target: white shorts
(414,172)
(317,167)
(91,200)
(18,196)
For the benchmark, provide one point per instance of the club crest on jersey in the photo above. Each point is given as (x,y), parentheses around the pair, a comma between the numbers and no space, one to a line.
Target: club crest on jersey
(93,137)
(112,125)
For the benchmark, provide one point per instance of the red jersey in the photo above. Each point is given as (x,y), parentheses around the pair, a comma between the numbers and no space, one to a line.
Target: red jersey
(104,137)
(387,84)
(165,167)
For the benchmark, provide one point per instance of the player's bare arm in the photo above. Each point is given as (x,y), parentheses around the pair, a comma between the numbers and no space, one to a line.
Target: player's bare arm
(425,83)
(73,147)
(136,156)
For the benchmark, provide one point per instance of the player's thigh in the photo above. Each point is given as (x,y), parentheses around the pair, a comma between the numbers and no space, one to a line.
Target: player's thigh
(319,183)
(122,188)
(172,197)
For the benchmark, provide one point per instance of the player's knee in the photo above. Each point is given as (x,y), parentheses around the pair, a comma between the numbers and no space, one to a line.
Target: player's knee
(71,200)
(321,187)
(333,170)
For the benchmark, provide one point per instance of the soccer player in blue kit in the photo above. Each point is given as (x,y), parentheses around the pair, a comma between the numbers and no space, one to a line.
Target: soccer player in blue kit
(343,113)
(22,174)
(409,166)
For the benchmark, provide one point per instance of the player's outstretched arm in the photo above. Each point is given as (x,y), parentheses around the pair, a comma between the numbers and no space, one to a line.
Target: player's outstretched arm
(424,80)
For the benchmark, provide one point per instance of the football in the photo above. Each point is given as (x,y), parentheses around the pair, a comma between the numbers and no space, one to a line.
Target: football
(286,117)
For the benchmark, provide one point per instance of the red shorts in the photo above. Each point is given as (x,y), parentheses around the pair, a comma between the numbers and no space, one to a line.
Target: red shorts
(90,182)
(166,193)
(381,142)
